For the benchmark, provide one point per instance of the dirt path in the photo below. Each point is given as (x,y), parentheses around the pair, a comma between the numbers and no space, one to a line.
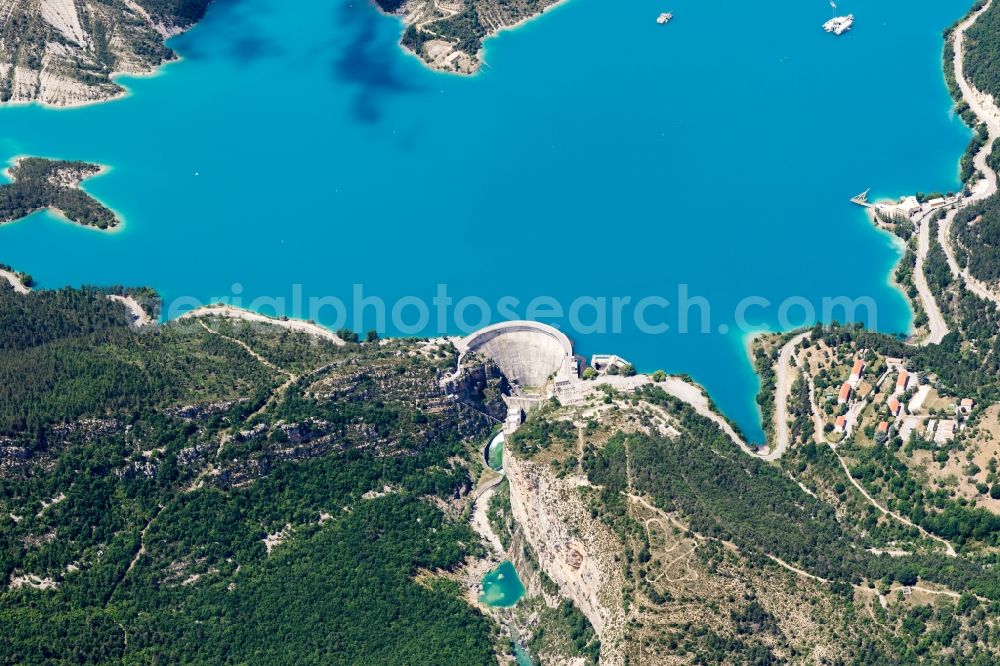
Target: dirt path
(292,378)
(816,416)
(480,519)
(15,282)
(701,538)
(682,390)
(245,346)
(783,386)
(139,316)
(906,521)
(820,439)
(697,399)
(246,315)
(446,13)
(142,541)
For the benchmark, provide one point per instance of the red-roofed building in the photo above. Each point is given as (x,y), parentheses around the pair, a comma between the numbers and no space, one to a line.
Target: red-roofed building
(894,407)
(840,425)
(845,394)
(883,428)
(857,370)
(903,382)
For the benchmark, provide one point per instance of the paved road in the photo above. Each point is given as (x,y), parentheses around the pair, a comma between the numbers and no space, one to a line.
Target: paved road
(986,110)
(935,320)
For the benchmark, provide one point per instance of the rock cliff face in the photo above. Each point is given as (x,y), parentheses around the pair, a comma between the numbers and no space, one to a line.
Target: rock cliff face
(576,551)
(481,385)
(65,52)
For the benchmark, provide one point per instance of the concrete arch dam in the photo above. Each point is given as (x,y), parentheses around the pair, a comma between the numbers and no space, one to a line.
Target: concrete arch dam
(527,352)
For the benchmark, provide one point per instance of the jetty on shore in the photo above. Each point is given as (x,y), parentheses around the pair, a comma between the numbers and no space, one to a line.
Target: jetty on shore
(862,199)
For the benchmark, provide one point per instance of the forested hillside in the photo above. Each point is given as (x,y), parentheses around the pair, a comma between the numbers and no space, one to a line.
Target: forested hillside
(451,38)
(693,511)
(977,230)
(171,496)
(41,183)
(178,13)
(977,236)
(66,52)
(982,46)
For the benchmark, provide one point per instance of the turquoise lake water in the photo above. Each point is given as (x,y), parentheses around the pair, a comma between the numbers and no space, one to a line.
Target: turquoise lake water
(502,587)
(296,151)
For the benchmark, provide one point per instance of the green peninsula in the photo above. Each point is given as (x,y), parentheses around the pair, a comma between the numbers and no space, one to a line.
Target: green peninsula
(41,183)
(449,36)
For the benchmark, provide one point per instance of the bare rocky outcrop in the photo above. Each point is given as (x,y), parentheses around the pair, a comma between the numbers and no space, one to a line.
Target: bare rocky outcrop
(576,551)
(480,384)
(66,52)
(448,35)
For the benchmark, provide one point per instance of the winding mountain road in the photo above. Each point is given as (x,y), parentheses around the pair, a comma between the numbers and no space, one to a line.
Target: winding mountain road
(935,320)
(985,108)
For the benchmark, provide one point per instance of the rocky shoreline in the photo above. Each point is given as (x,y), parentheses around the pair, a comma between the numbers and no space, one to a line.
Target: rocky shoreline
(448,36)
(62,53)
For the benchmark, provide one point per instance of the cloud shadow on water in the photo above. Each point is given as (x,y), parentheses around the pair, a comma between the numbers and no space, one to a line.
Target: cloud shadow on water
(367,60)
(242,41)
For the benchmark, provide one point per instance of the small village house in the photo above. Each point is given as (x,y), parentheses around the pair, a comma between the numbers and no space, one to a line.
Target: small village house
(840,425)
(903,382)
(895,407)
(857,371)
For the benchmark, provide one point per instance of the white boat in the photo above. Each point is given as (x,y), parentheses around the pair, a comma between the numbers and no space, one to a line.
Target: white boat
(664,18)
(838,25)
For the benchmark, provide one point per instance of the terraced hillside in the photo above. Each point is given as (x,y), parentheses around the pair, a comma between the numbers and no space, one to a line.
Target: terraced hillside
(213,491)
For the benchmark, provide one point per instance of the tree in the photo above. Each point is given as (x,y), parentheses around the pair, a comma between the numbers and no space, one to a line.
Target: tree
(347,335)
(907,575)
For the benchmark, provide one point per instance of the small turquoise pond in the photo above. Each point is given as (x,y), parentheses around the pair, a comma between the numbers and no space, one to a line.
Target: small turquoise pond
(494,454)
(502,588)
(522,657)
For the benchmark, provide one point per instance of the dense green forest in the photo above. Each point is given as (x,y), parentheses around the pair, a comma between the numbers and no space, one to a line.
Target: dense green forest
(176,12)
(140,473)
(982,45)
(976,230)
(41,183)
(977,234)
